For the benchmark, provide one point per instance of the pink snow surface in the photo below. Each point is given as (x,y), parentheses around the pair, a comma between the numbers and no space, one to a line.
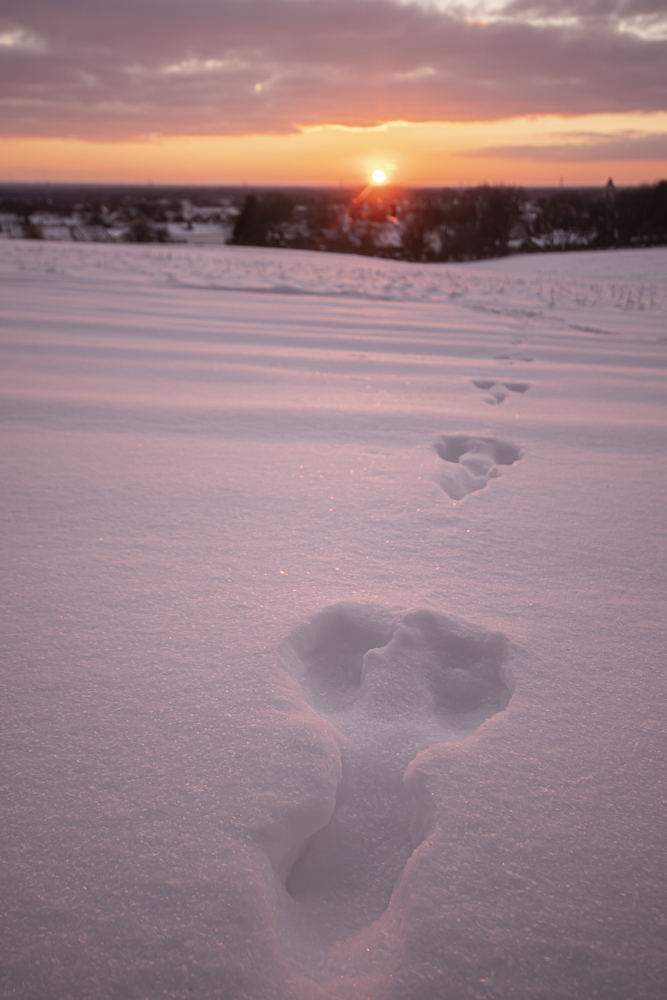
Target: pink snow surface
(334,662)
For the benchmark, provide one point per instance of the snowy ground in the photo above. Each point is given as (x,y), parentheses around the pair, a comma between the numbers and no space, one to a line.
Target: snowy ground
(333,657)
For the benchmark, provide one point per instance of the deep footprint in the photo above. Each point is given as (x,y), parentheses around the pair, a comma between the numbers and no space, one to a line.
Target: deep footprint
(391,685)
(472,461)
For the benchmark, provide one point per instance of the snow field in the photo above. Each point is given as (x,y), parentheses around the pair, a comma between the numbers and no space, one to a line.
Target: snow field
(329,673)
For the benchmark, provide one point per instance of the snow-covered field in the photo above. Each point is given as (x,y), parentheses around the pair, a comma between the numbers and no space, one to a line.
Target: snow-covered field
(333,645)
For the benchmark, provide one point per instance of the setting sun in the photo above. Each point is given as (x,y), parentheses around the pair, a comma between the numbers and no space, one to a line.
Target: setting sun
(378,176)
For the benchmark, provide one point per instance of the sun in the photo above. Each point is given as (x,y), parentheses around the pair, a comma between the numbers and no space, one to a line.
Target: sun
(378,177)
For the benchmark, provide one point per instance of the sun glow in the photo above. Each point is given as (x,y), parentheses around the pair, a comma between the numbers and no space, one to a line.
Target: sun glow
(585,150)
(378,177)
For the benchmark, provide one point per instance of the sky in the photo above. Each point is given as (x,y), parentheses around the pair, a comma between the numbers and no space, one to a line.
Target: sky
(323,91)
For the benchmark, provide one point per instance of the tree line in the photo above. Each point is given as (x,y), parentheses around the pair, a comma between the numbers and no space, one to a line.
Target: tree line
(446,224)
(454,224)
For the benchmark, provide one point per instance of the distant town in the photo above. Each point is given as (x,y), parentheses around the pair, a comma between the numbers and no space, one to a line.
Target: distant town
(448,224)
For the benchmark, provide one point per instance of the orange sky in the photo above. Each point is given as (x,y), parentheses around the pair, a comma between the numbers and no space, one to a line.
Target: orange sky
(430,154)
(295,91)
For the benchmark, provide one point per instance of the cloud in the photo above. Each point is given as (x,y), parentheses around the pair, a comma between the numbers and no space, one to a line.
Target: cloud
(581,149)
(134,68)
(21,40)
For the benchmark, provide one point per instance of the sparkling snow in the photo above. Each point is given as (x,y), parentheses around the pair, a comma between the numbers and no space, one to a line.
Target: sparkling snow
(333,646)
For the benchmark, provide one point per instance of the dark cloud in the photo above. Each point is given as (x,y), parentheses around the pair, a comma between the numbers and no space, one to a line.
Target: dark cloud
(591,149)
(101,70)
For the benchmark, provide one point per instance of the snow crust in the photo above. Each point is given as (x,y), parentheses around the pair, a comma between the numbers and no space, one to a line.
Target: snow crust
(333,657)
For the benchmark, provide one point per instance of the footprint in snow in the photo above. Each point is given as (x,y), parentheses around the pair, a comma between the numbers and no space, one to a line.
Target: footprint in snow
(391,684)
(472,461)
(499,389)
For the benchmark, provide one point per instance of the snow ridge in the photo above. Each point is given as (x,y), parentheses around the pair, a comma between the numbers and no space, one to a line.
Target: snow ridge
(561,288)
